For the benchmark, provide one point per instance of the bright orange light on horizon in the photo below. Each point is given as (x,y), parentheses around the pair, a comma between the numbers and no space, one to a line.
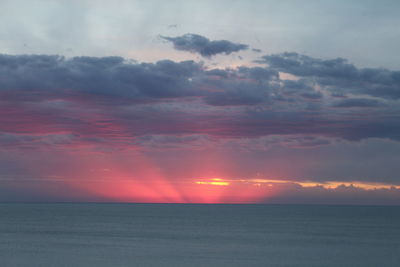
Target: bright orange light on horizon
(157,189)
(214,181)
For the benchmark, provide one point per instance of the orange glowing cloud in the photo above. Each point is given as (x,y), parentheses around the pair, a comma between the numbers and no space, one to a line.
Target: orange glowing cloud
(326,185)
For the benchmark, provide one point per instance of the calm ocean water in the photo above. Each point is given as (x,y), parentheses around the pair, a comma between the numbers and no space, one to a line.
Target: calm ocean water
(198,235)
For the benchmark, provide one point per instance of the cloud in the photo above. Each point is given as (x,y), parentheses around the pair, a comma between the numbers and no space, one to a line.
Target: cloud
(338,75)
(11,140)
(164,142)
(357,102)
(341,195)
(302,65)
(195,43)
(49,77)
(113,80)
(112,100)
(300,88)
(305,141)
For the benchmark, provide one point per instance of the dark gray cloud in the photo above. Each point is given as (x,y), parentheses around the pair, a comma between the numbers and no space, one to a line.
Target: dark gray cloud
(302,65)
(115,80)
(305,141)
(244,86)
(357,102)
(199,44)
(111,98)
(302,87)
(42,76)
(338,75)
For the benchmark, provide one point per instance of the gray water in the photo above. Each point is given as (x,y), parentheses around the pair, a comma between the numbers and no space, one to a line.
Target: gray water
(198,235)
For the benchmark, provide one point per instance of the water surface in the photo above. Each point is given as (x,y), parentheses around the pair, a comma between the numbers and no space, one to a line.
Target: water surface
(198,235)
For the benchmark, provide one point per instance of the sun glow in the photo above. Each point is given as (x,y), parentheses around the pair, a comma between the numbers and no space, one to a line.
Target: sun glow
(214,181)
(139,180)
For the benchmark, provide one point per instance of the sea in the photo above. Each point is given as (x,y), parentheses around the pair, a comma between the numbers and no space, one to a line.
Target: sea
(78,234)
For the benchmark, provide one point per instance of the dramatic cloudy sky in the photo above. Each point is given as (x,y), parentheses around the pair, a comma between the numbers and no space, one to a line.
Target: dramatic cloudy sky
(200,101)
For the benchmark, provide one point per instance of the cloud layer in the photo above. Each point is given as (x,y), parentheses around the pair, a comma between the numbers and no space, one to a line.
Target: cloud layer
(54,107)
(106,96)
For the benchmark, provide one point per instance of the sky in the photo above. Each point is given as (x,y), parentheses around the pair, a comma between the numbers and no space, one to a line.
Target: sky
(200,101)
